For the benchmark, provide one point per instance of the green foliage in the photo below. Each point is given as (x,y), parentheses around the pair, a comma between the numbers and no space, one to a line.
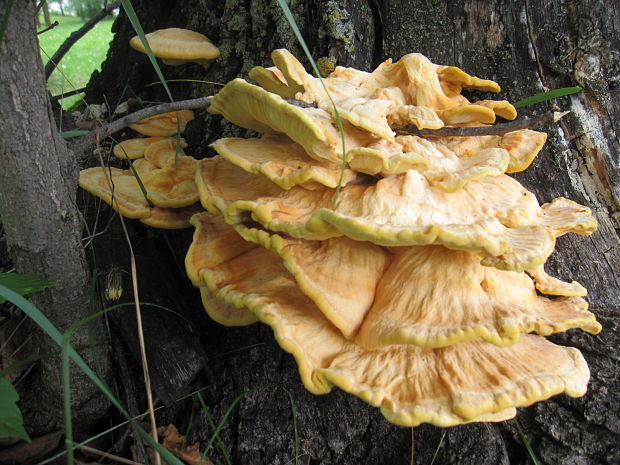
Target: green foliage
(11,420)
(78,64)
(46,325)
(86,9)
(23,284)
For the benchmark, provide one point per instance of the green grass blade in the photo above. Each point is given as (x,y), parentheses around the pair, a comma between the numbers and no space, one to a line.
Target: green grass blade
(23,283)
(302,42)
(135,22)
(207,412)
(527,444)
(546,96)
(43,322)
(73,133)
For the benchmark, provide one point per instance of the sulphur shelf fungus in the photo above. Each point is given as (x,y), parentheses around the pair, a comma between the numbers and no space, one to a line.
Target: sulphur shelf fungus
(159,189)
(178,46)
(414,286)
(164,124)
(406,270)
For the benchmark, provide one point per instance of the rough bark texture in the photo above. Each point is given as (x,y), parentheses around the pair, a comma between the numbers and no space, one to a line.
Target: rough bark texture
(38,181)
(527,46)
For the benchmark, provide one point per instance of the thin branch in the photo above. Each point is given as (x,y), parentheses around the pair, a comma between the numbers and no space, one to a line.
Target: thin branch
(49,28)
(89,140)
(55,98)
(526,122)
(75,36)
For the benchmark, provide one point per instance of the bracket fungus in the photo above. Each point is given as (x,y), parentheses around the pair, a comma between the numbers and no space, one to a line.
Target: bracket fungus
(160,187)
(178,46)
(406,270)
(164,124)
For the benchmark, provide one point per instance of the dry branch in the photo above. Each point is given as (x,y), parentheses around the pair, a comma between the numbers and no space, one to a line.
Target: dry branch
(526,122)
(90,139)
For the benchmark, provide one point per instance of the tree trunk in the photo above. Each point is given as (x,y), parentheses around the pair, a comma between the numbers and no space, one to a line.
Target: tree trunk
(46,13)
(526,46)
(38,181)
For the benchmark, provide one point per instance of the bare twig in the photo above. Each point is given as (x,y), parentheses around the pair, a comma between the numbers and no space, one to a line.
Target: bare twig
(48,28)
(55,98)
(75,36)
(89,140)
(497,130)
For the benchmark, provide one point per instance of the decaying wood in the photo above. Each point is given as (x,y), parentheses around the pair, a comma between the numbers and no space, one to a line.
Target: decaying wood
(526,46)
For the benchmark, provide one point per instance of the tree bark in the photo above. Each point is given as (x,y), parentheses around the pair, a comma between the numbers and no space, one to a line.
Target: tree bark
(38,181)
(46,13)
(528,47)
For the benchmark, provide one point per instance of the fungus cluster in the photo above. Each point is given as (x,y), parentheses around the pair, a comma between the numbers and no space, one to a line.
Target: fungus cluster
(159,188)
(414,287)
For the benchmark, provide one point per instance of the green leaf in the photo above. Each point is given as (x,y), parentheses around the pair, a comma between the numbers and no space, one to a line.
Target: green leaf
(73,133)
(23,283)
(11,420)
(546,96)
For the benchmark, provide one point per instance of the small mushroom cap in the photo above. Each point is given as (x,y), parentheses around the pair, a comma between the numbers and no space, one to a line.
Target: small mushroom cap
(170,183)
(553,286)
(292,70)
(254,108)
(164,124)
(412,385)
(439,164)
(165,153)
(523,146)
(177,44)
(224,313)
(495,216)
(134,148)
(282,161)
(272,80)
(172,218)
(459,77)
(118,188)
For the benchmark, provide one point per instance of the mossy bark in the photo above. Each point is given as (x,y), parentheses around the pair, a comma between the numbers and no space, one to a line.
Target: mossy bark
(528,47)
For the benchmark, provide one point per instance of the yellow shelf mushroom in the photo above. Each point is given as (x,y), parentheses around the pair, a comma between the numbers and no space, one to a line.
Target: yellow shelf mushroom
(416,288)
(177,46)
